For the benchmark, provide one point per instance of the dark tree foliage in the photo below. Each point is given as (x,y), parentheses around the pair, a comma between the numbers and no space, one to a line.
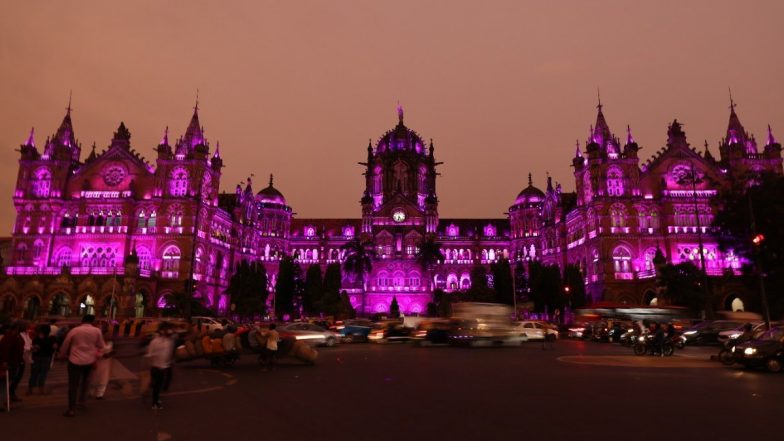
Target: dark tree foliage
(179,304)
(521,281)
(346,308)
(575,280)
(480,290)
(333,278)
(734,220)
(546,287)
(428,256)
(359,261)
(394,308)
(248,290)
(682,285)
(286,287)
(314,290)
(502,281)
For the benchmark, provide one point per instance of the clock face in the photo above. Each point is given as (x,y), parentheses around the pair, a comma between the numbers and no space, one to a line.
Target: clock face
(399,216)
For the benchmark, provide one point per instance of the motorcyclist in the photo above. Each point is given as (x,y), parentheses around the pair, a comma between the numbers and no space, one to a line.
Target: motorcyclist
(747,334)
(658,339)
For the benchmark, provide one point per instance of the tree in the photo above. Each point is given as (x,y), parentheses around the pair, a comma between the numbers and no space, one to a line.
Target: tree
(178,304)
(394,308)
(248,289)
(428,256)
(752,212)
(546,286)
(333,278)
(502,281)
(346,308)
(575,281)
(359,262)
(480,291)
(521,281)
(683,285)
(314,290)
(286,287)
(330,301)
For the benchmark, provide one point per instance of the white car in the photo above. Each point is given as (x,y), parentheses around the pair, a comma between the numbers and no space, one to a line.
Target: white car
(758,328)
(535,330)
(208,324)
(311,334)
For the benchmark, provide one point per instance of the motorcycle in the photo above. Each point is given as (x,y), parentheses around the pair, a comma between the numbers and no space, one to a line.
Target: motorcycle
(727,353)
(645,346)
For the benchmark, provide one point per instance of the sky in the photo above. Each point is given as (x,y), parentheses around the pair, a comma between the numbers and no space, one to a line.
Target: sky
(296,88)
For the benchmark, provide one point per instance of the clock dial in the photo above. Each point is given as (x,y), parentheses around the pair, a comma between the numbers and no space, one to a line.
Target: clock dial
(399,216)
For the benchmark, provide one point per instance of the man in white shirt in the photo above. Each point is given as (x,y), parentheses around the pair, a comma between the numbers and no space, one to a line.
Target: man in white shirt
(272,344)
(161,353)
(81,348)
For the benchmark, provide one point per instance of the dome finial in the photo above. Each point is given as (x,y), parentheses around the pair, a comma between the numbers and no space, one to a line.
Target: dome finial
(530,180)
(270,184)
(400,112)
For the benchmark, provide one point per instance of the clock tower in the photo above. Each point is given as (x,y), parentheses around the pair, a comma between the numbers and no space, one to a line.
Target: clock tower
(399,208)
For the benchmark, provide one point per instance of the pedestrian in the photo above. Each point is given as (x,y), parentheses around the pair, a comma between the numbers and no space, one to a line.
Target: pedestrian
(99,378)
(80,347)
(44,347)
(160,353)
(11,360)
(271,348)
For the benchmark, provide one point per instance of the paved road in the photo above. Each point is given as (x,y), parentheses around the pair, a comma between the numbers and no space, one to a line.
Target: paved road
(579,391)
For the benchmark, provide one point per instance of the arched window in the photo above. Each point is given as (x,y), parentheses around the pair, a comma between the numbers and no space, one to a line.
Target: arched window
(622,259)
(615,182)
(175,216)
(618,215)
(650,254)
(42,183)
(21,253)
(171,261)
(63,257)
(141,220)
(178,182)
(587,190)
(145,258)
(38,248)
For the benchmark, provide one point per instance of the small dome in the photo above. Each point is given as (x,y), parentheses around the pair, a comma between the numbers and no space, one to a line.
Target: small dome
(530,194)
(401,138)
(271,195)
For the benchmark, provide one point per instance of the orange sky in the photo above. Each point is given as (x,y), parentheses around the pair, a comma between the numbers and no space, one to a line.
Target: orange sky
(296,88)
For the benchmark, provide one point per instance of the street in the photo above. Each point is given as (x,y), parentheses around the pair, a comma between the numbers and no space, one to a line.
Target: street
(579,390)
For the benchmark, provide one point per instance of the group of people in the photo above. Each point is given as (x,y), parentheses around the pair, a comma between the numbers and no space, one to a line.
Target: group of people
(83,347)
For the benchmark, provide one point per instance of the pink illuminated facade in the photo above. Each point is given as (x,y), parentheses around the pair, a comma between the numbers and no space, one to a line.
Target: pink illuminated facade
(114,231)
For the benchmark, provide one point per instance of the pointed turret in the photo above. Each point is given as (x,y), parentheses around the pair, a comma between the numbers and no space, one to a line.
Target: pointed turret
(770,141)
(164,148)
(631,147)
(122,137)
(194,134)
(432,148)
(165,139)
(65,133)
(577,161)
(629,137)
(601,131)
(400,113)
(216,161)
(676,137)
(249,187)
(708,155)
(736,133)
(31,138)
(92,154)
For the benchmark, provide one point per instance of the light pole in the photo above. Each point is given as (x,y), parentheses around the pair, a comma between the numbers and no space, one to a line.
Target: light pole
(756,242)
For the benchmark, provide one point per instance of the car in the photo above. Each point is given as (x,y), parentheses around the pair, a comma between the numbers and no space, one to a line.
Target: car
(432,332)
(534,330)
(757,329)
(354,330)
(310,333)
(208,324)
(391,331)
(766,351)
(707,332)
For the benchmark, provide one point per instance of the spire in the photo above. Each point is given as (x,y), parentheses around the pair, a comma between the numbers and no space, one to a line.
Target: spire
(194,134)
(432,148)
(771,139)
(707,155)
(165,139)
(577,152)
(600,133)
(270,181)
(31,138)
(65,133)
(530,180)
(400,112)
(629,137)
(736,133)
(249,186)
(599,100)
(92,154)
(217,150)
(549,183)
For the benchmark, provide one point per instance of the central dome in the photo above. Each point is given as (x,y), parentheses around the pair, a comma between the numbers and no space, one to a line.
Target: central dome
(530,194)
(271,195)
(400,138)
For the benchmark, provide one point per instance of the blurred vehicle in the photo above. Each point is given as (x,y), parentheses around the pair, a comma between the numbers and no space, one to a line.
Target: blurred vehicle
(757,328)
(209,324)
(310,333)
(483,324)
(707,332)
(432,332)
(766,351)
(535,330)
(391,331)
(577,331)
(354,330)
(645,346)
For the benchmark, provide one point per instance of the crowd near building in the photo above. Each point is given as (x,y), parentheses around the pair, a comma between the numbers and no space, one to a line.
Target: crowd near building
(111,233)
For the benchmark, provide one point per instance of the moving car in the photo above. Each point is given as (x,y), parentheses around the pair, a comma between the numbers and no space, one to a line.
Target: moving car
(310,333)
(354,330)
(533,330)
(707,332)
(432,332)
(209,324)
(757,328)
(766,351)
(392,331)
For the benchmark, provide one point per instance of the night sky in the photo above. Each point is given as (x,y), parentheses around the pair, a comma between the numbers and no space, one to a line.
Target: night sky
(296,88)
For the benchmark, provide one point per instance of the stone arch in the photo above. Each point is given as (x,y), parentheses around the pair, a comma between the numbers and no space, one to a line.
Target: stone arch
(627,299)
(32,307)
(734,302)
(8,304)
(649,297)
(60,304)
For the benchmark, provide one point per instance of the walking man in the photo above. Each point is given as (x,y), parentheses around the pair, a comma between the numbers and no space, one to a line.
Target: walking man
(160,352)
(81,348)
(11,362)
(272,344)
